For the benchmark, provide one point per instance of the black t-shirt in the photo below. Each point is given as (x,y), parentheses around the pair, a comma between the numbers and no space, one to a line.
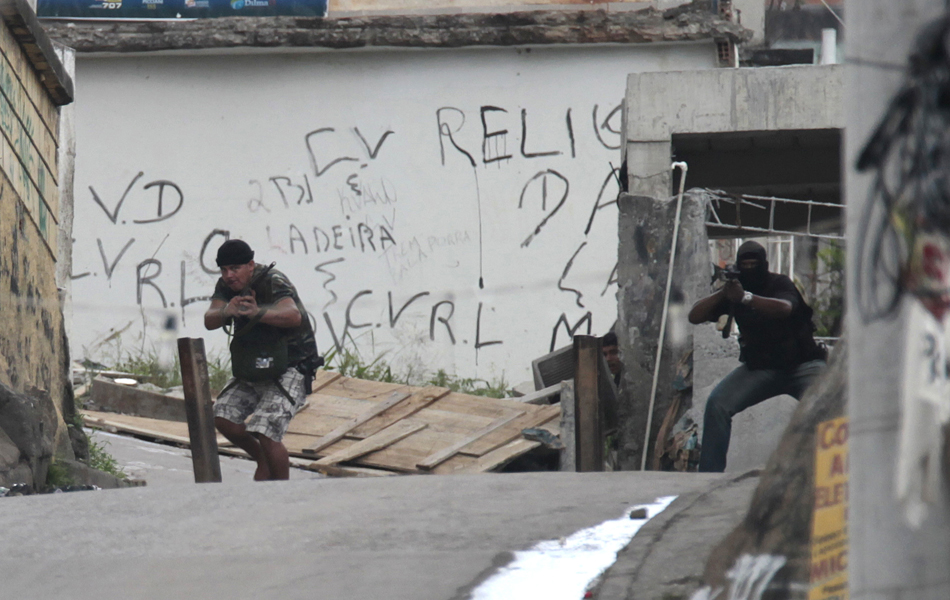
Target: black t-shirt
(775,343)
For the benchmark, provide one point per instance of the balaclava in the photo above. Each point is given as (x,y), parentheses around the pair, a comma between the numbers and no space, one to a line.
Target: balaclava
(753,280)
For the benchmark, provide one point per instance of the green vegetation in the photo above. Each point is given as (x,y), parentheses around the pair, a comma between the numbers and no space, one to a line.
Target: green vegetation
(219,372)
(150,368)
(99,458)
(497,388)
(829,270)
(351,364)
(58,476)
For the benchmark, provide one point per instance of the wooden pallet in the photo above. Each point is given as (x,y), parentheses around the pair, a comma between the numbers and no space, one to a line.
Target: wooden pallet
(354,427)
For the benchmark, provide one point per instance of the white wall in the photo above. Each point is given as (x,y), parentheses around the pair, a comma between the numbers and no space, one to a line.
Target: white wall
(271,148)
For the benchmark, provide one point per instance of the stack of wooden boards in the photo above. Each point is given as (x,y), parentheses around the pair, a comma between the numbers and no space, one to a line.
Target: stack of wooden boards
(357,427)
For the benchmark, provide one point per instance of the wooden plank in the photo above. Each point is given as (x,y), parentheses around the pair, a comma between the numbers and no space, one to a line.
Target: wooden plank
(322,379)
(542,397)
(495,459)
(453,424)
(512,430)
(170,431)
(390,435)
(414,404)
(434,459)
(340,406)
(316,427)
(327,414)
(200,414)
(589,440)
(394,399)
(365,390)
(494,408)
(296,443)
(338,471)
(405,454)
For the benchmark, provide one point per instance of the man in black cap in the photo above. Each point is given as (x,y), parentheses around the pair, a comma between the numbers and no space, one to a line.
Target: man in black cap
(777,347)
(273,357)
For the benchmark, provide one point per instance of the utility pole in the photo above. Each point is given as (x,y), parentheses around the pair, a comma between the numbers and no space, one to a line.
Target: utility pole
(888,558)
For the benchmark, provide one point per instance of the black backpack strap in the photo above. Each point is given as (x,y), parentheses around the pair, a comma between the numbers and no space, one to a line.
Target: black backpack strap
(284,391)
(231,384)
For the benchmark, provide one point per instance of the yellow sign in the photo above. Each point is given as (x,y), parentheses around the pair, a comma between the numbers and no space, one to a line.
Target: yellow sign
(829,529)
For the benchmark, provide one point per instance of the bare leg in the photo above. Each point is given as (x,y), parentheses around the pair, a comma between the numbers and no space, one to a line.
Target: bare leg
(237,434)
(278,460)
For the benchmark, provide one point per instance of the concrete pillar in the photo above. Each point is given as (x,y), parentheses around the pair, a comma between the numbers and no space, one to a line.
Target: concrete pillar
(66,155)
(646,235)
(888,560)
(648,166)
(751,15)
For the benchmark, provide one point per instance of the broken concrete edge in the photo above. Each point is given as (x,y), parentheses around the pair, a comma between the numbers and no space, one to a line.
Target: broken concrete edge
(629,560)
(83,474)
(26,29)
(695,22)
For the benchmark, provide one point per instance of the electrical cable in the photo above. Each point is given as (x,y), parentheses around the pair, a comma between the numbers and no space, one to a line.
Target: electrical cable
(831,10)
(908,154)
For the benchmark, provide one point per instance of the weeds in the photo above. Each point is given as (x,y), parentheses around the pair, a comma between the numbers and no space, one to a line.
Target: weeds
(150,368)
(219,372)
(58,476)
(351,364)
(497,388)
(99,458)
(829,268)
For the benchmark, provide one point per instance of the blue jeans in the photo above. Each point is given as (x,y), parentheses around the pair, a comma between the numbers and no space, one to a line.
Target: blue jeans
(742,389)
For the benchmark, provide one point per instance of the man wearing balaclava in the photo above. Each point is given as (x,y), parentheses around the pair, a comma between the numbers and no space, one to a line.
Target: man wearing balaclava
(777,348)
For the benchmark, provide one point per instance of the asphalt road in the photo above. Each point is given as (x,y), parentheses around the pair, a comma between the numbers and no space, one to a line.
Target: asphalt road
(161,465)
(409,537)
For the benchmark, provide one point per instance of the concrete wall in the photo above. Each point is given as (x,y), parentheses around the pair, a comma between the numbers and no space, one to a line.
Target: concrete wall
(31,326)
(424,201)
(888,559)
(660,105)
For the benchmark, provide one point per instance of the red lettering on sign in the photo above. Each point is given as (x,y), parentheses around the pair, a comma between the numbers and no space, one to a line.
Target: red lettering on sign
(831,436)
(830,566)
(830,495)
(839,465)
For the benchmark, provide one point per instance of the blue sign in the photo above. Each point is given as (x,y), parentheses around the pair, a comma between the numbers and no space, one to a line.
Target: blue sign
(185,9)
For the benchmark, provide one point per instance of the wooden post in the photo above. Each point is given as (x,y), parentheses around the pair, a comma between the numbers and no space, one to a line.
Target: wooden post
(589,439)
(194,377)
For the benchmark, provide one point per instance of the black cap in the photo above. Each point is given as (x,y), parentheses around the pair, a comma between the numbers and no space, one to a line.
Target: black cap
(234,252)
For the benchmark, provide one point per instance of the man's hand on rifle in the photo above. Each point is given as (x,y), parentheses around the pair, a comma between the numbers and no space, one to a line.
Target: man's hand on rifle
(242,306)
(733,291)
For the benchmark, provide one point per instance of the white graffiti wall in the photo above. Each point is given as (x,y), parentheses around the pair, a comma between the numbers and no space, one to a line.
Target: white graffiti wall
(442,208)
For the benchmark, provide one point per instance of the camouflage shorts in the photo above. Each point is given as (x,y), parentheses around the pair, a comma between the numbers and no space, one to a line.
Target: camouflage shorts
(269,409)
